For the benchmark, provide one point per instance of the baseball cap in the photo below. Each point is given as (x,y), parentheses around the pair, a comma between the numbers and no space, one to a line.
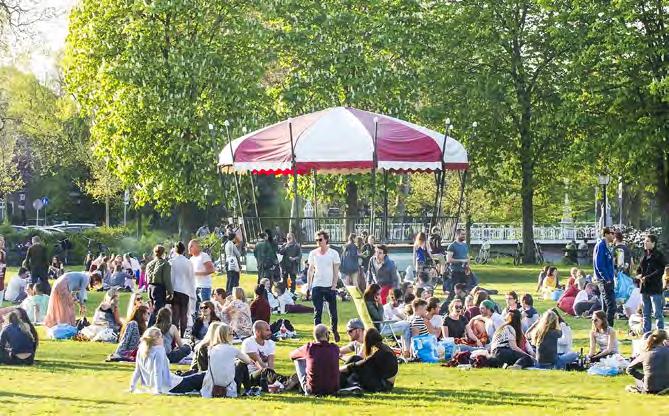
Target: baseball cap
(488,304)
(354,324)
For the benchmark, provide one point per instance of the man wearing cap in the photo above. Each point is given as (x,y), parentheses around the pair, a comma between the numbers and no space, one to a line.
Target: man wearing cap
(356,332)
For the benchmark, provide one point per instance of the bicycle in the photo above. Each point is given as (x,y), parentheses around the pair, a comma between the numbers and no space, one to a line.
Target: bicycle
(483,255)
(518,255)
(538,254)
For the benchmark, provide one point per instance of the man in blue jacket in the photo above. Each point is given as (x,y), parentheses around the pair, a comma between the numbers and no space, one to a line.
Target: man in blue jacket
(605,272)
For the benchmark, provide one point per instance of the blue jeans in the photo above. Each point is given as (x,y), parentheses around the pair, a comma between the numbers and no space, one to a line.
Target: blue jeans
(656,302)
(202,294)
(608,301)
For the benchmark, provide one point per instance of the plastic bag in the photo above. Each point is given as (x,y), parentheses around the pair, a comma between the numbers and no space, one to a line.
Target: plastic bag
(602,370)
(424,348)
(106,335)
(446,349)
(61,331)
(609,366)
(623,286)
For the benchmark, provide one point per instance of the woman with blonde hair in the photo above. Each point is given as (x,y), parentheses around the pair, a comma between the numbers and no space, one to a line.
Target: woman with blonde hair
(152,368)
(421,255)
(545,336)
(654,361)
(237,313)
(221,380)
(201,350)
(107,313)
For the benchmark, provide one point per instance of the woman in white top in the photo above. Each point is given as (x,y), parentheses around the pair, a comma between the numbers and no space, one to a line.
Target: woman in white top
(222,357)
(152,368)
(603,340)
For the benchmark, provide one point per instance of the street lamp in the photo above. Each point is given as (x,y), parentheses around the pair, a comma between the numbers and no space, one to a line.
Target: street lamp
(604,180)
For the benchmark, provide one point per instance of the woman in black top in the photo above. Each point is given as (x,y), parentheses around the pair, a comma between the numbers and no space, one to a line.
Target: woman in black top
(377,369)
(455,322)
(649,274)
(18,341)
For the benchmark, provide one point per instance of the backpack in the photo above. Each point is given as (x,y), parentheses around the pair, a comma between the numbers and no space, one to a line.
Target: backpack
(349,262)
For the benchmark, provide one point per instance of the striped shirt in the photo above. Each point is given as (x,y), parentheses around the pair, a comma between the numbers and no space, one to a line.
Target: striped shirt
(418,323)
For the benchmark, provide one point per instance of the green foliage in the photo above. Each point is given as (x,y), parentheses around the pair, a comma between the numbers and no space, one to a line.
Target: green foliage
(154,75)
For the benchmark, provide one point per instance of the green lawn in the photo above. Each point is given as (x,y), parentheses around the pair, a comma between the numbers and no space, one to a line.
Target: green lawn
(71,378)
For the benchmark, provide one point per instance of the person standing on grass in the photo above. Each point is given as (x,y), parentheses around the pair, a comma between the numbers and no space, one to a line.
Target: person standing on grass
(604,274)
(203,269)
(37,261)
(159,275)
(317,364)
(61,301)
(265,255)
(290,263)
(322,279)
(650,273)
(183,284)
(233,265)
(350,268)
(457,257)
(383,272)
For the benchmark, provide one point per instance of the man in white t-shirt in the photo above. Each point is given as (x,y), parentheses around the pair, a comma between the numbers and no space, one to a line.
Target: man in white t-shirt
(322,279)
(261,349)
(203,269)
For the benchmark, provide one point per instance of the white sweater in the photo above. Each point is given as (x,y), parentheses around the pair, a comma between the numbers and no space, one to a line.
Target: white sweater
(153,372)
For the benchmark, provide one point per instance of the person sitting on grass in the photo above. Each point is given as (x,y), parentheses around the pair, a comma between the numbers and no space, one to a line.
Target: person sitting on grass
(542,275)
(512,304)
(175,349)
(546,337)
(393,310)
(202,322)
(218,299)
(372,298)
(419,323)
(459,292)
(454,324)
(586,302)
(237,313)
(376,370)
(152,368)
(433,316)
(603,340)
(550,283)
(507,344)
(130,335)
(317,364)
(356,333)
(136,300)
(475,309)
(221,379)
(654,361)
(201,352)
(18,340)
(528,315)
(106,314)
(16,288)
(481,328)
(287,302)
(261,349)
(36,303)
(260,309)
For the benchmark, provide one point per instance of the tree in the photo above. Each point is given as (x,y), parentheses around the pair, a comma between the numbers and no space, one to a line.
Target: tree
(341,53)
(152,76)
(103,185)
(505,65)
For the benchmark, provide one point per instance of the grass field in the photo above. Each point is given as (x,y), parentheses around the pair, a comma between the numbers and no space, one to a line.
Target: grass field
(72,378)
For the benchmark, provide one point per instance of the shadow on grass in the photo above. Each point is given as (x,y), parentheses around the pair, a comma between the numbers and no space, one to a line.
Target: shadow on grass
(7,396)
(69,366)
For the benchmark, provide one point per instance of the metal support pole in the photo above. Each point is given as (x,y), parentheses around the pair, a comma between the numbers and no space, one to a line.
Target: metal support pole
(374,163)
(441,176)
(604,206)
(295,227)
(255,201)
(463,180)
(226,123)
(385,206)
(315,215)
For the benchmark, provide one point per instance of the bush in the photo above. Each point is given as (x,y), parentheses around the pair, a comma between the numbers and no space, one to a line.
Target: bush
(109,240)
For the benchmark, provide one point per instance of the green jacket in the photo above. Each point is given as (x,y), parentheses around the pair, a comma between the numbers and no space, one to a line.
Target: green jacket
(265,254)
(159,272)
(375,312)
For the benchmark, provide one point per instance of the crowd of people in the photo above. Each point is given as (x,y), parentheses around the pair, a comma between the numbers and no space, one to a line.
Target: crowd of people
(176,316)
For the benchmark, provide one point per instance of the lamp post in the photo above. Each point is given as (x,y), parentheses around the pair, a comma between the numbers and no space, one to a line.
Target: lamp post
(620,201)
(604,180)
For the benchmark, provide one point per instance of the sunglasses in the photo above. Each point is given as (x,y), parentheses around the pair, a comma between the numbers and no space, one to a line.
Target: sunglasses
(319,239)
(458,308)
(204,308)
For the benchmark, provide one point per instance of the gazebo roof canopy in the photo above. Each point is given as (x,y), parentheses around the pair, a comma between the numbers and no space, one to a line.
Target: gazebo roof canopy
(341,140)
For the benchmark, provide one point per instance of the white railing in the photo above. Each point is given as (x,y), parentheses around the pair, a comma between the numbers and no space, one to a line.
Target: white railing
(513,232)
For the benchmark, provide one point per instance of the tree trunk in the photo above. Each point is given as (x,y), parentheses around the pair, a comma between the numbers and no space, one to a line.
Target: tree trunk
(663,199)
(351,206)
(527,195)
(107,211)
(631,204)
(139,222)
(181,222)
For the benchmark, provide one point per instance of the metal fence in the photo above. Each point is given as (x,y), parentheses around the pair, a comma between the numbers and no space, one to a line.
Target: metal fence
(396,230)
(513,232)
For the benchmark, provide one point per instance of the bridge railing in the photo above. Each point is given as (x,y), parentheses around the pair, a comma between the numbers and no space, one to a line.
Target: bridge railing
(513,232)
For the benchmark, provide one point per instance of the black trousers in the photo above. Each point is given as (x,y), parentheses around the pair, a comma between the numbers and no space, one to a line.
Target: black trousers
(510,357)
(158,297)
(261,378)
(189,383)
(365,376)
(232,281)
(180,311)
(608,301)
(10,359)
(320,295)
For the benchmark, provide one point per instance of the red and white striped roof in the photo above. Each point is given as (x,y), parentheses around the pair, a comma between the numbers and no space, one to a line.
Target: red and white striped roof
(341,140)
